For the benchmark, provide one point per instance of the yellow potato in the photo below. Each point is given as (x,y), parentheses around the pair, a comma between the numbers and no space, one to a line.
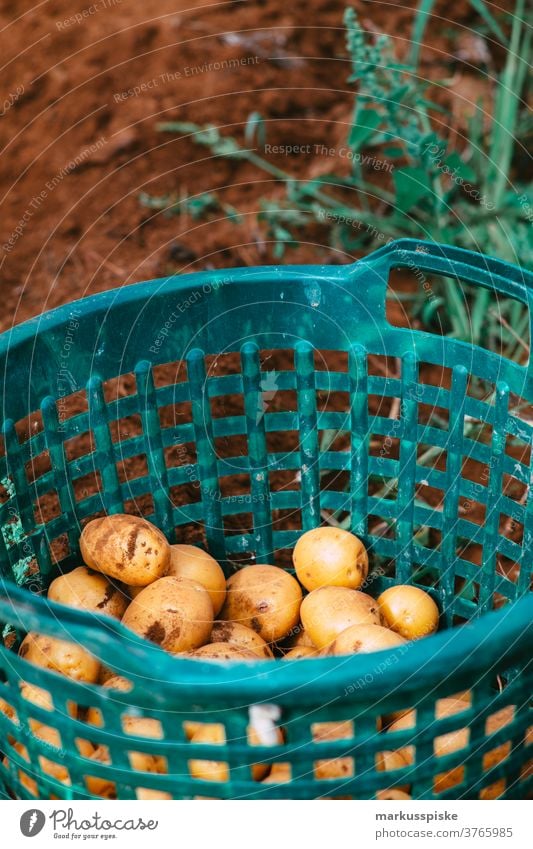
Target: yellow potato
(453,741)
(116,682)
(188,561)
(88,590)
(60,656)
(279,774)
(127,548)
(333,767)
(409,611)
(297,637)
(175,613)
(300,652)
(264,598)
(330,557)
(215,734)
(328,611)
(239,635)
(392,795)
(54,769)
(222,652)
(363,639)
(145,793)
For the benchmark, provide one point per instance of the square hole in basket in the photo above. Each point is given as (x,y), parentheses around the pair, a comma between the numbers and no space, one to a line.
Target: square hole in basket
(435,375)
(168,374)
(430,414)
(79,446)
(233,487)
(473,470)
(38,466)
(140,505)
(217,365)
(472,511)
(191,533)
(276,359)
(432,496)
(514,489)
(119,387)
(334,440)
(187,493)
(287,520)
(382,487)
(431,457)
(469,551)
(334,402)
(47,507)
(180,454)
(238,523)
(276,400)
(285,480)
(126,428)
(227,447)
(29,426)
(381,528)
(173,415)
(331,361)
(284,442)
(511,529)
(132,468)
(380,366)
(518,450)
(72,405)
(384,406)
(225,406)
(384,447)
(60,547)
(87,485)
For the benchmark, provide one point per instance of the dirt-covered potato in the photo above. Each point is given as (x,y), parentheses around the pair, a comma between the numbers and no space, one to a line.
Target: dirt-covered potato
(127,548)
(188,561)
(299,652)
(409,611)
(215,734)
(88,590)
(175,613)
(328,611)
(241,636)
(330,557)
(363,639)
(222,652)
(60,656)
(264,598)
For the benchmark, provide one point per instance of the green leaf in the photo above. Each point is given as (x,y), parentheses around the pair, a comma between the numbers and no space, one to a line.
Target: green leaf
(365,123)
(412,186)
(462,169)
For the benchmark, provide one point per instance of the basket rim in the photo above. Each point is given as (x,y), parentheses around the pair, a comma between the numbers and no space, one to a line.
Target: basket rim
(496,637)
(403,249)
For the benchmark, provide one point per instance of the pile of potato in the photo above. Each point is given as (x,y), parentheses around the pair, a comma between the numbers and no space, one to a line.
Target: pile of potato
(177,597)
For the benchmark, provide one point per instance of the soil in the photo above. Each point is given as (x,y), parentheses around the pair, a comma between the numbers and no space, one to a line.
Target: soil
(85,85)
(80,142)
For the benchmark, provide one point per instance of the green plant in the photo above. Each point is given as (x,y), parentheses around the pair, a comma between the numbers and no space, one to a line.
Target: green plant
(467,198)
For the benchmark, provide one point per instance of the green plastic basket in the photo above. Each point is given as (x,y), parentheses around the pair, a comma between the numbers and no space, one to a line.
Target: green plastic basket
(64,414)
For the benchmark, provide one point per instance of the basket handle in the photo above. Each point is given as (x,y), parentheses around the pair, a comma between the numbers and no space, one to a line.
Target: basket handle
(432,257)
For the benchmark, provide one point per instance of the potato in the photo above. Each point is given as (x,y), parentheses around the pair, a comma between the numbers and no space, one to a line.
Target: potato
(88,590)
(146,793)
(239,635)
(330,557)
(392,795)
(409,611)
(328,611)
(116,682)
(222,652)
(188,561)
(175,613)
(300,652)
(215,734)
(333,767)
(279,774)
(362,639)
(264,598)
(56,770)
(453,741)
(60,656)
(297,637)
(127,548)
